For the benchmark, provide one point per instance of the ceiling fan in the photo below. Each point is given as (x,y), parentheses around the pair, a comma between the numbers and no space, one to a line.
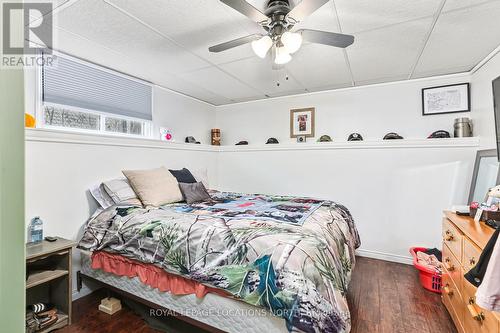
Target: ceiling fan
(278,21)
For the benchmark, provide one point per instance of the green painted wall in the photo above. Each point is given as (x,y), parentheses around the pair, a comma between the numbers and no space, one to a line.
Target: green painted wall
(12,226)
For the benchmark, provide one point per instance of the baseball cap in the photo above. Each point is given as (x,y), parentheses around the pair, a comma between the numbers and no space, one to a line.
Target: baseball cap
(325,138)
(392,136)
(355,137)
(272,140)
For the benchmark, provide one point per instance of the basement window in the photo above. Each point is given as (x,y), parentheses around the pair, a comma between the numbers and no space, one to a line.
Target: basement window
(80,96)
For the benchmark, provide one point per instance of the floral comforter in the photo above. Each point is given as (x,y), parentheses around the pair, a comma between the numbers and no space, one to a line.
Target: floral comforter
(299,272)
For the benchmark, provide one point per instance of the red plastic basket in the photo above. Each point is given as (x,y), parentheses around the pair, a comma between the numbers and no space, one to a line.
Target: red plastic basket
(429,278)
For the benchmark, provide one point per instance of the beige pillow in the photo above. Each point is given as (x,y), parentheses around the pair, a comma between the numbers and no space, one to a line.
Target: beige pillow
(154,187)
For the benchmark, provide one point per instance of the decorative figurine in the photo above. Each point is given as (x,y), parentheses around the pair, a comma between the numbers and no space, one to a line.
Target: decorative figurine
(215,137)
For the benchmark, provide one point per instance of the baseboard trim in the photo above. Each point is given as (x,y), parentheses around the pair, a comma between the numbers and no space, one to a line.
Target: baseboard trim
(385,256)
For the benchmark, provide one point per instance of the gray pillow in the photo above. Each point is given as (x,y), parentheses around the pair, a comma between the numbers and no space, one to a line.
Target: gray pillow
(194,192)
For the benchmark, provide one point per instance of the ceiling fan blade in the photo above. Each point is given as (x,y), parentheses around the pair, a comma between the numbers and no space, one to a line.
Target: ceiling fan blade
(246,9)
(233,43)
(305,8)
(326,38)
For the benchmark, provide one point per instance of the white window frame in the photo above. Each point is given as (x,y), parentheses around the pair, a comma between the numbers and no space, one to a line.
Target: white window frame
(147,125)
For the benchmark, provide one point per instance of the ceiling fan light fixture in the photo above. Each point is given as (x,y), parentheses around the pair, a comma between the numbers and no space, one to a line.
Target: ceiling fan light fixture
(282,56)
(262,46)
(291,41)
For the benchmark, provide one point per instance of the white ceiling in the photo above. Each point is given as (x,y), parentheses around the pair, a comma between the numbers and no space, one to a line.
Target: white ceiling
(166,42)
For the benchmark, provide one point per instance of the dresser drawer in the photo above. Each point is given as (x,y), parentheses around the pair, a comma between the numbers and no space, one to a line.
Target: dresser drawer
(471,255)
(452,296)
(452,237)
(452,269)
(477,320)
(456,320)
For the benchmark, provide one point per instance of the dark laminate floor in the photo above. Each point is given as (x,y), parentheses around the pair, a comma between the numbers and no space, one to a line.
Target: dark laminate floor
(383,297)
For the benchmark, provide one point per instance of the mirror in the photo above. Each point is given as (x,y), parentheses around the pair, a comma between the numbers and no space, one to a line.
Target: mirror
(485,175)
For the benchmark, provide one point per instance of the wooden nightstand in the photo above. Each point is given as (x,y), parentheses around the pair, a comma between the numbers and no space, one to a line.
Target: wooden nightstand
(48,270)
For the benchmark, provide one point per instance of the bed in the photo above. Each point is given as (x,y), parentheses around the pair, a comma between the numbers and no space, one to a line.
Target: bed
(270,263)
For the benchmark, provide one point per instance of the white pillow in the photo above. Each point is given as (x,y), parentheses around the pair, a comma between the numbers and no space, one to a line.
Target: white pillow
(115,191)
(101,196)
(121,192)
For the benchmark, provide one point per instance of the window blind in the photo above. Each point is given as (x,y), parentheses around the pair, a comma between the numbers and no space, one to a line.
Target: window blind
(74,83)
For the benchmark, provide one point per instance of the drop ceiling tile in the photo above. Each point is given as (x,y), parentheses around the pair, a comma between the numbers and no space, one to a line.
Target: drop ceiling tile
(76,45)
(462,38)
(55,5)
(387,52)
(195,24)
(460,4)
(317,65)
(258,72)
(104,24)
(362,15)
(72,44)
(288,93)
(188,88)
(389,35)
(322,19)
(382,80)
(220,83)
(441,71)
(331,87)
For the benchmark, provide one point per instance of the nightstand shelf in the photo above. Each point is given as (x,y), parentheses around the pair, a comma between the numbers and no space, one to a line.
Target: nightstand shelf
(48,268)
(62,320)
(34,279)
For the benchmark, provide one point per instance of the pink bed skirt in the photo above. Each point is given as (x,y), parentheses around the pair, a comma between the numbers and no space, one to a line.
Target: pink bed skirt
(150,275)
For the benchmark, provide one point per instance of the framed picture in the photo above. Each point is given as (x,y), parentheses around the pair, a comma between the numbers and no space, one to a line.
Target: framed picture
(166,134)
(446,99)
(302,122)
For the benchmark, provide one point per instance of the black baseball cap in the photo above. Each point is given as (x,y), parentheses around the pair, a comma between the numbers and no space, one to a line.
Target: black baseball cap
(392,136)
(241,143)
(439,135)
(272,140)
(355,137)
(191,139)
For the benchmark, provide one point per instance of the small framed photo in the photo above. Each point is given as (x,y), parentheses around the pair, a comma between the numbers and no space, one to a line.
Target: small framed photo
(166,134)
(446,99)
(301,138)
(302,123)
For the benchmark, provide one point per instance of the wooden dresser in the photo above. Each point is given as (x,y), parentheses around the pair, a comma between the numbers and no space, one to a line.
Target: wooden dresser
(463,242)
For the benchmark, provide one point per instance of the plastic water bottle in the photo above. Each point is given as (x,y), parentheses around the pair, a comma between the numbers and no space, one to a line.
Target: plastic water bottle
(36,230)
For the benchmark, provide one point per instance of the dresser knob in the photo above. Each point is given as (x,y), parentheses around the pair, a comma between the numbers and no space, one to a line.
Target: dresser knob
(477,316)
(449,267)
(447,290)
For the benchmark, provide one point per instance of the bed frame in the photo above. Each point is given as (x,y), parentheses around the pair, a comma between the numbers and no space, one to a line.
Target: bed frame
(112,289)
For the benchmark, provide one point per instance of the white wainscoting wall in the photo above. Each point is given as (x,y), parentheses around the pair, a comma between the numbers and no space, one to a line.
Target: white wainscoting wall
(396,191)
